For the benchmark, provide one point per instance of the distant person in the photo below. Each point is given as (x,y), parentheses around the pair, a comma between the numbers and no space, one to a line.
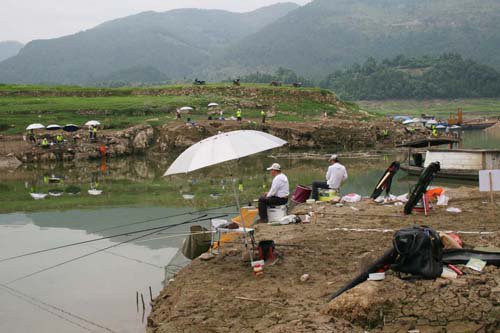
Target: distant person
(221,115)
(434,131)
(59,139)
(238,115)
(94,133)
(91,133)
(263,115)
(177,114)
(277,195)
(45,143)
(335,176)
(31,136)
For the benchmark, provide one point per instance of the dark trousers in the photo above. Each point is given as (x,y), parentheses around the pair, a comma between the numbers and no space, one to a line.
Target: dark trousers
(265,202)
(315,187)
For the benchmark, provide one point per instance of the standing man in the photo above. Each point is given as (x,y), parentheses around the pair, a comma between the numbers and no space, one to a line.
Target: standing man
(238,115)
(94,133)
(277,195)
(263,115)
(335,176)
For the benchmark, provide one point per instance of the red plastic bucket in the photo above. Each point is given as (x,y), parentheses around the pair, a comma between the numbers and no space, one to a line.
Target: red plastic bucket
(301,194)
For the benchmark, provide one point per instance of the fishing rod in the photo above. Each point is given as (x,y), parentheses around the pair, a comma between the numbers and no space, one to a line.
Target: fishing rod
(44,306)
(159,218)
(104,249)
(90,241)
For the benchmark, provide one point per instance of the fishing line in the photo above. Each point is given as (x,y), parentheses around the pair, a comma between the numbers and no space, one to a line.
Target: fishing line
(128,258)
(91,240)
(38,303)
(106,248)
(159,218)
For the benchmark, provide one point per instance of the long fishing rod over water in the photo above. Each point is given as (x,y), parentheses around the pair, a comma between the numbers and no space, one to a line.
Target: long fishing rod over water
(109,247)
(93,240)
(161,218)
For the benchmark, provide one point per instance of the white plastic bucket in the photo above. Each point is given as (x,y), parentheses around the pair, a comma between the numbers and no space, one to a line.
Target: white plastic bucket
(277,213)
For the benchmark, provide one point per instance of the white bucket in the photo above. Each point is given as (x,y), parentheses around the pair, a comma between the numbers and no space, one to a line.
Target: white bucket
(277,213)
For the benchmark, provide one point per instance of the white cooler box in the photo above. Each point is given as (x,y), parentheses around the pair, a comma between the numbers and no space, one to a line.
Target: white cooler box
(274,214)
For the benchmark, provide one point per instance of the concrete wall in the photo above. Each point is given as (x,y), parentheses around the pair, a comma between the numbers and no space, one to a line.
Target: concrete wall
(455,160)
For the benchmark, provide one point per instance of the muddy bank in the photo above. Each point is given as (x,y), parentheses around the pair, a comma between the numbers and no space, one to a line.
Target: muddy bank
(222,295)
(332,134)
(134,140)
(329,133)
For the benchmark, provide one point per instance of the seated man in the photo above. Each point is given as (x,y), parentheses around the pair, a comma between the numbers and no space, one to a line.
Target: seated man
(277,195)
(335,176)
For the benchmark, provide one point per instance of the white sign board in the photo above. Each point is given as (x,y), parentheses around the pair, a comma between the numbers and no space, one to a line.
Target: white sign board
(484,180)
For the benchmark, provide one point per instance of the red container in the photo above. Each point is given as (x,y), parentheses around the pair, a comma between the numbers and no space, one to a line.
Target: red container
(301,194)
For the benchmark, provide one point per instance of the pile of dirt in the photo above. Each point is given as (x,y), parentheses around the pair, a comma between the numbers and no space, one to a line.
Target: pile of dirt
(222,295)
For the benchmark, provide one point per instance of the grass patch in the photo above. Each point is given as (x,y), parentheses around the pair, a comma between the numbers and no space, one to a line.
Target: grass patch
(472,108)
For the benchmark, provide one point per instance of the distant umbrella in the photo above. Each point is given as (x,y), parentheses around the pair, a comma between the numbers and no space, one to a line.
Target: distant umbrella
(53,127)
(56,193)
(35,126)
(71,128)
(38,196)
(431,123)
(94,192)
(186,108)
(212,104)
(92,123)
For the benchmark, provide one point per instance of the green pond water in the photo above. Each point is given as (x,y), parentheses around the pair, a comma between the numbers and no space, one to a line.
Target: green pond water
(101,287)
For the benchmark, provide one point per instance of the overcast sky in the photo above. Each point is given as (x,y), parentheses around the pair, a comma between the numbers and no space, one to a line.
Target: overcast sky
(25,20)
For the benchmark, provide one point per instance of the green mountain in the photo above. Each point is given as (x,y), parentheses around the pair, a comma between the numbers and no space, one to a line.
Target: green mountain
(9,49)
(312,40)
(329,34)
(174,44)
(446,76)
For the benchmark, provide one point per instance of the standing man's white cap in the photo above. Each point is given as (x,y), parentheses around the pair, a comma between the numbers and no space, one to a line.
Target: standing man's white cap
(275,166)
(333,157)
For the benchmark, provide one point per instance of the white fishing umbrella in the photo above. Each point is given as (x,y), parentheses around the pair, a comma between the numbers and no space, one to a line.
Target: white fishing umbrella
(35,126)
(409,121)
(222,148)
(430,123)
(53,127)
(92,123)
(186,108)
(212,104)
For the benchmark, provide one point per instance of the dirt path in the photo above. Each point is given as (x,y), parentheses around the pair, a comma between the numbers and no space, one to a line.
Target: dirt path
(222,295)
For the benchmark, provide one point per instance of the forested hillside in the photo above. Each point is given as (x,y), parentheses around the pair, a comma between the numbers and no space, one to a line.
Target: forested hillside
(174,44)
(313,40)
(446,76)
(326,35)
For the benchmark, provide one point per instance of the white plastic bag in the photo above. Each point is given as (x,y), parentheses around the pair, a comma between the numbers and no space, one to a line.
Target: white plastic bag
(289,219)
(443,200)
(351,197)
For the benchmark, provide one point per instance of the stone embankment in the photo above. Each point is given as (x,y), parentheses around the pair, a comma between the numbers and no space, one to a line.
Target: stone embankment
(331,134)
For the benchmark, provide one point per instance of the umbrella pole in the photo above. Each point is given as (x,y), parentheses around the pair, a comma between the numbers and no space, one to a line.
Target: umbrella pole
(237,199)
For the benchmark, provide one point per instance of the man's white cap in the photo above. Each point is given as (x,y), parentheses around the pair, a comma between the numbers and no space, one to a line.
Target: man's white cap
(275,166)
(333,157)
